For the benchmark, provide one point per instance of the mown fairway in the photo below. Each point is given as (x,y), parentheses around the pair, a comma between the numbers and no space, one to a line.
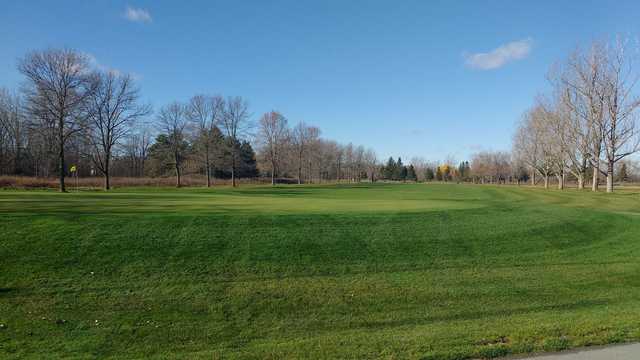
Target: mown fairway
(384,271)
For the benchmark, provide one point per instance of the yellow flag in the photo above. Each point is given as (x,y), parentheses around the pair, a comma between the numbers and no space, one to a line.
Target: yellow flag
(73,168)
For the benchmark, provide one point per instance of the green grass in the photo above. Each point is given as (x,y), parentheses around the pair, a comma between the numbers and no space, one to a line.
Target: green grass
(369,271)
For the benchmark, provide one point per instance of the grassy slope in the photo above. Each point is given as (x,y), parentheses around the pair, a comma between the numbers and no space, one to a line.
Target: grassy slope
(391,271)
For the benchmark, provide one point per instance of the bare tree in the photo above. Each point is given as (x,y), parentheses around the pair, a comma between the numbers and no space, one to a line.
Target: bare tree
(621,104)
(371,164)
(115,110)
(273,136)
(136,147)
(302,136)
(60,84)
(206,112)
(13,131)
(555,126)
(578,135)
(492,166)
(173,122)
(235,123)
(304,141)
(581,83)
(532,146)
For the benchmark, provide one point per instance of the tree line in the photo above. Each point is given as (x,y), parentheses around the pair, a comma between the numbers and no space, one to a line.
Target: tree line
(587,125)
(70,113)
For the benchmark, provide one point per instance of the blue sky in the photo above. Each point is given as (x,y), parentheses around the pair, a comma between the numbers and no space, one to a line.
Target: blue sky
(407,78)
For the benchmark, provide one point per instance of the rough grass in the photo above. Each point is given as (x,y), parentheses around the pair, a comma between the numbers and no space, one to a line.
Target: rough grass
(371,271)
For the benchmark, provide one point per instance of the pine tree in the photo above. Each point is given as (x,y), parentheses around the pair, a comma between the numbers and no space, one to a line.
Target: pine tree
(390,169)
(398,170)
(428,174)
(411,173)
(403,173)
(462,171)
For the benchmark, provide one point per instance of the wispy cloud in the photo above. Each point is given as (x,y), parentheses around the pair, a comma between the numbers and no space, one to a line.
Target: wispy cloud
(95,64)
(500,56)
(137,15)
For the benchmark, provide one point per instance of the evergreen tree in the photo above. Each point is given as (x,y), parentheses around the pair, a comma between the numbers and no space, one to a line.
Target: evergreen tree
(403,173)
(390,169)
(248,166)
(161,156)
(428,174)
(411,173)
(462,171)
(397,175)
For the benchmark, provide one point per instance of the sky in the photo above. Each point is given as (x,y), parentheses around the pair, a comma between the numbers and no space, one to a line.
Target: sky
(431,79)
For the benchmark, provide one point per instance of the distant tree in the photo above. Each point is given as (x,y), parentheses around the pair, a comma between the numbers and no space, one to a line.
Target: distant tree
(445,172)
(411,173)
(205,113)
(403,173)
(429,175)
(13,131)
(439,175)
(136,150)
(622,105)
(623,174)
(235,124)
(59,85)
(464,171)
(303,138)
(273,137)
(247,167)
(114,109)
(389,170)
(160,156)
(397,171)
(172,122)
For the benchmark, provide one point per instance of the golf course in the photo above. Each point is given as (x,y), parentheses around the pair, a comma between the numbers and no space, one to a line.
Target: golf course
(391,271)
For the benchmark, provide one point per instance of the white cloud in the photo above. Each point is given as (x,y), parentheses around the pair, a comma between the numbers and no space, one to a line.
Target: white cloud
(137,15)
(500,56)
(96,65)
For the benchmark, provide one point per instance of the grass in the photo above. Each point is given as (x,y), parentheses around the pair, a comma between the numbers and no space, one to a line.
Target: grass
(365,271)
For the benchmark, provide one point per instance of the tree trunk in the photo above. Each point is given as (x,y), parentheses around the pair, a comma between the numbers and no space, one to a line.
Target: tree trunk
(107,178)
(177,160)
(581,182)
(533,178)
(273,174)
(546,181)
(233,170)
(208,168)
(560,181)
(107,184)
(596,176)
(610,176)
(17,161)
(62,166)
